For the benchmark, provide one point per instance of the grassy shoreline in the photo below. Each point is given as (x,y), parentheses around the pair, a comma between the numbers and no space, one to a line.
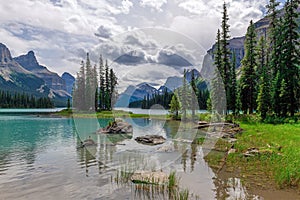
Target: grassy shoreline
(280,157)
(278,165)
(109,114)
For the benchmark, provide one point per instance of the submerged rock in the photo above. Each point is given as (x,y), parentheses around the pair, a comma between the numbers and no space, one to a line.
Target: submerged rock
(87,142)
(117,127)
(151,139)
(146,177)
(166,148)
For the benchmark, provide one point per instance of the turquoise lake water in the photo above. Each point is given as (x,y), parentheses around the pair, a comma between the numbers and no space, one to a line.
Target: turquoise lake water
(40,159)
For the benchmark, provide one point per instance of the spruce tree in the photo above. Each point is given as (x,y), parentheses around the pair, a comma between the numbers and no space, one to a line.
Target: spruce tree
(248,77)
(233,86)
(107,93)
(218,54)
(68,104)
(194,91)
(216,98)
(174,106)
(89,90)
(102,83)
(290,56)
(113,84)
(184,97)
(263,74)
(226,65)
(79,91)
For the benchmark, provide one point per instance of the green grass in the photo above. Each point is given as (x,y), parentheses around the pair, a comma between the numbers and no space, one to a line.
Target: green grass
(280,157)
(104,114)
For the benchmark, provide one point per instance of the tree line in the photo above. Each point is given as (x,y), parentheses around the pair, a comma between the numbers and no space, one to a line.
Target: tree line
(95,87)
(269,81)
(189,98)
(23,100)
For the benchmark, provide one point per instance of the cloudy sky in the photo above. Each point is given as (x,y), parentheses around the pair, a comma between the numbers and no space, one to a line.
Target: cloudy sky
(157,37)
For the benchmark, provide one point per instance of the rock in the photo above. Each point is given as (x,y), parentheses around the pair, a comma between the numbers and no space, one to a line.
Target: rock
(146,177)
(166,148)
(88,142)
(231,151)
(151,139)
(251,152)
(117,127)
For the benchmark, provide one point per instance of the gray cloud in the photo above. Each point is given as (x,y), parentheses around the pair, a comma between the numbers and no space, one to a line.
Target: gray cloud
(103,32)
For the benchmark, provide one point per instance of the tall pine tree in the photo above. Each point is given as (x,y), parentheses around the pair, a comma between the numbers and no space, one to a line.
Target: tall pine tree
(263,74)
(290,57)
(248,77)
(225,70)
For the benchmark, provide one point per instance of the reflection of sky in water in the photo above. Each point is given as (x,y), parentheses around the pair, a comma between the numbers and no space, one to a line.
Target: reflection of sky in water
(39,160)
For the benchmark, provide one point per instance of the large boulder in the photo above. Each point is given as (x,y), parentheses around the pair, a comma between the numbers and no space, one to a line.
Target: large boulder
(115,127)
(150,139)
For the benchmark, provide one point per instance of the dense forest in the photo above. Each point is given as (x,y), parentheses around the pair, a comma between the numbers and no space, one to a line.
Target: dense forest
(91,93)
(23,100)
(269,80)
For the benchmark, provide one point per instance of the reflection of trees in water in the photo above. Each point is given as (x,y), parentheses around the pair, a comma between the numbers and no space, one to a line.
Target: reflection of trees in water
(193,155)
(227,185)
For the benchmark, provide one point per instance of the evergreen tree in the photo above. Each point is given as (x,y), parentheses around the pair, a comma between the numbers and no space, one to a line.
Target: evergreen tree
(289,65)
(248,77)
(107,96)
(68,104)
(113,83)
(273,22)
(184,97)
(102,84)
(175,106)
(89,85)
(193,95)
(95,87)
(233,86)
(264,93)
(218,54)
(79,91)
(226,65)
(217,98)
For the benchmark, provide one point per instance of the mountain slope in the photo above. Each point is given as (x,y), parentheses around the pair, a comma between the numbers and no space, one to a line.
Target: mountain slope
(135,93)
(13,77)
(69,80)
(236,45)
(30,63)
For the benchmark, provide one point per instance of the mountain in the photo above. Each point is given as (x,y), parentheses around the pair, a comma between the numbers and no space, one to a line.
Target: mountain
(30,63)
(31,79)
(69,80)
(13,77)
(236,45)
(135,93)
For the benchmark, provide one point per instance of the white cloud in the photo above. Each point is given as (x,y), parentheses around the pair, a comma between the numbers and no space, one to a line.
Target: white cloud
(61,31)
(154,4)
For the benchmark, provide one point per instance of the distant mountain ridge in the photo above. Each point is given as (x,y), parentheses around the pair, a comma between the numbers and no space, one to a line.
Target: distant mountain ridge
(24,74)
(138,92)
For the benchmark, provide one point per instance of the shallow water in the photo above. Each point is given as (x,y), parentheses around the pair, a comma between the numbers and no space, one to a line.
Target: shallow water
(39,159)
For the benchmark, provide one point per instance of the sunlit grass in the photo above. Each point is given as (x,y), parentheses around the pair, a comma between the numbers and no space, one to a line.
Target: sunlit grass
(280,146)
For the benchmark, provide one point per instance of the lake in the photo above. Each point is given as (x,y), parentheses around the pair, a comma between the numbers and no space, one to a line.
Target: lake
(40,159)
